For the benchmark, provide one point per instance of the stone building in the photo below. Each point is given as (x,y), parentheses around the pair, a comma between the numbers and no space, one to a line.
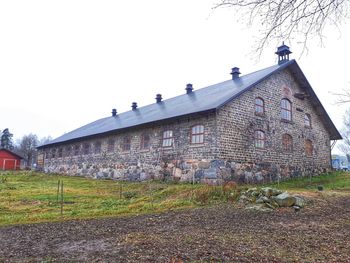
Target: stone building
(257,127)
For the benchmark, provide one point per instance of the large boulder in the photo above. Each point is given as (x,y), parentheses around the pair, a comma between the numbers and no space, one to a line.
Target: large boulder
(299,201)
(284,200)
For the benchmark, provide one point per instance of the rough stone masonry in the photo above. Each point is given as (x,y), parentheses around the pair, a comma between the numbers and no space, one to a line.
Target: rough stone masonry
(228,151)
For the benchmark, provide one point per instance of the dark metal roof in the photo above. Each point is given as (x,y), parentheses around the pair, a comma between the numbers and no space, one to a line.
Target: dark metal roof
(201,100)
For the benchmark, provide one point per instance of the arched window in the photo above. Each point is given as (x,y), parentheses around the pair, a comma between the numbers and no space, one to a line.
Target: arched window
(260,139)
(286,110)
(86,148)
(97,147)
(53,153)
(259,106)
(197,134)
(126,144)
(76,149)
(287,142)
(168,139)
(309,148)
(60,152)
(145,141)
(67,151)
(307,120)
(110,145)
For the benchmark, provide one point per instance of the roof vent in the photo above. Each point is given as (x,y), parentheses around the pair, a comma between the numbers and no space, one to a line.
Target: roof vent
(283,53)
(134,106)
(159,98)
(114,112)
(189,88)
(235,73)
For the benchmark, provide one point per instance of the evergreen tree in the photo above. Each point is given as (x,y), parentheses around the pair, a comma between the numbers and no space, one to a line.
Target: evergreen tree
(6,139)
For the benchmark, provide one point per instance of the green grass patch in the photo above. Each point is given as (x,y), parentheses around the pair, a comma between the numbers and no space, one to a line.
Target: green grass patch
(329,181)
(29,197)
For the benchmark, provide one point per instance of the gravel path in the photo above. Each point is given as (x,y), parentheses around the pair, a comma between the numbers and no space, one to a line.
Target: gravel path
(317,233)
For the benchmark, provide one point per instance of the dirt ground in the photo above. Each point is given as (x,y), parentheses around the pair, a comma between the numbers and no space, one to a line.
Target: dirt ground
(318,233)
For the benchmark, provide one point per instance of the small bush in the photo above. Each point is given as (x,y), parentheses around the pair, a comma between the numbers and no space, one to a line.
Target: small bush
(129,195)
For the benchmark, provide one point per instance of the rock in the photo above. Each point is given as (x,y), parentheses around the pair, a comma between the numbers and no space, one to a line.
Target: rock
(262,199)
(217,163)
(203,165)
(296,208)
(178,173)
(299,201)
(259,207)
(258,177)
(284,200)
(276,191)
(210,173)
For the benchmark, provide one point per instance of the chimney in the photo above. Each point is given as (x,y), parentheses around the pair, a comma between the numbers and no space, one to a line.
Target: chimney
(189,88)
(159,98)
(235,73)
(134,106)
(114,112)
(283,53)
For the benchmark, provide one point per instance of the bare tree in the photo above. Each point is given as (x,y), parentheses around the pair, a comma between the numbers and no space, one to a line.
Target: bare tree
(345,146)
(297,20)
(27,148)
(343,97)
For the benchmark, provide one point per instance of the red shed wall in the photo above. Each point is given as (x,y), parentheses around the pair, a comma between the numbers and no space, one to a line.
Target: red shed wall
(9,161)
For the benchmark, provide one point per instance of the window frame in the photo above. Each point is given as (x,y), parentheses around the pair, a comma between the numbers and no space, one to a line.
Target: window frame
(258,106)
(60,152)
(110,145)
(169,138)
(307,120)
(97,147)
(145,144)
(308,148)
(67,151)
(286,110)
(287,143)
(259,142)
(53,153)
(86,148)
(194,134)
(76,150)
(126,143)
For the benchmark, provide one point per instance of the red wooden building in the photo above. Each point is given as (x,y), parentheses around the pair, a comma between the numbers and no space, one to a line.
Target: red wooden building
(9,160)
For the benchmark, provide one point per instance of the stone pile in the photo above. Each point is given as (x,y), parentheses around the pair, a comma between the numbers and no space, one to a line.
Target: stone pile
(268,199)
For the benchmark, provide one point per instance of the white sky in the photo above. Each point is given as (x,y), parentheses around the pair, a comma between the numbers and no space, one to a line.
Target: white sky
(64,64)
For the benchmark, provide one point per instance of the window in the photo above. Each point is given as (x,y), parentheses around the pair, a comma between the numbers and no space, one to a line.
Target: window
(86,148)
(168,139)
(259,139)
(110,145)
(287,143)
(47,155)
(76,149)
(308,148)
(126,143)
(145,141)
(67,151)
(60,151)
(53,153)
(286,110)
(307,120)
(197,134)
(97,147)
(259,106)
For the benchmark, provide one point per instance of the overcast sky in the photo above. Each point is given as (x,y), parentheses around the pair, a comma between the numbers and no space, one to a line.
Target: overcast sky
(64,64)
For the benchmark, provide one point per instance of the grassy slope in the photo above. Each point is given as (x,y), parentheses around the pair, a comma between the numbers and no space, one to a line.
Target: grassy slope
(27,197)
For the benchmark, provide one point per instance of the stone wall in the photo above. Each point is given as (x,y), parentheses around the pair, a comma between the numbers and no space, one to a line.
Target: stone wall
(228,151)
(179,162)
(237,123)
